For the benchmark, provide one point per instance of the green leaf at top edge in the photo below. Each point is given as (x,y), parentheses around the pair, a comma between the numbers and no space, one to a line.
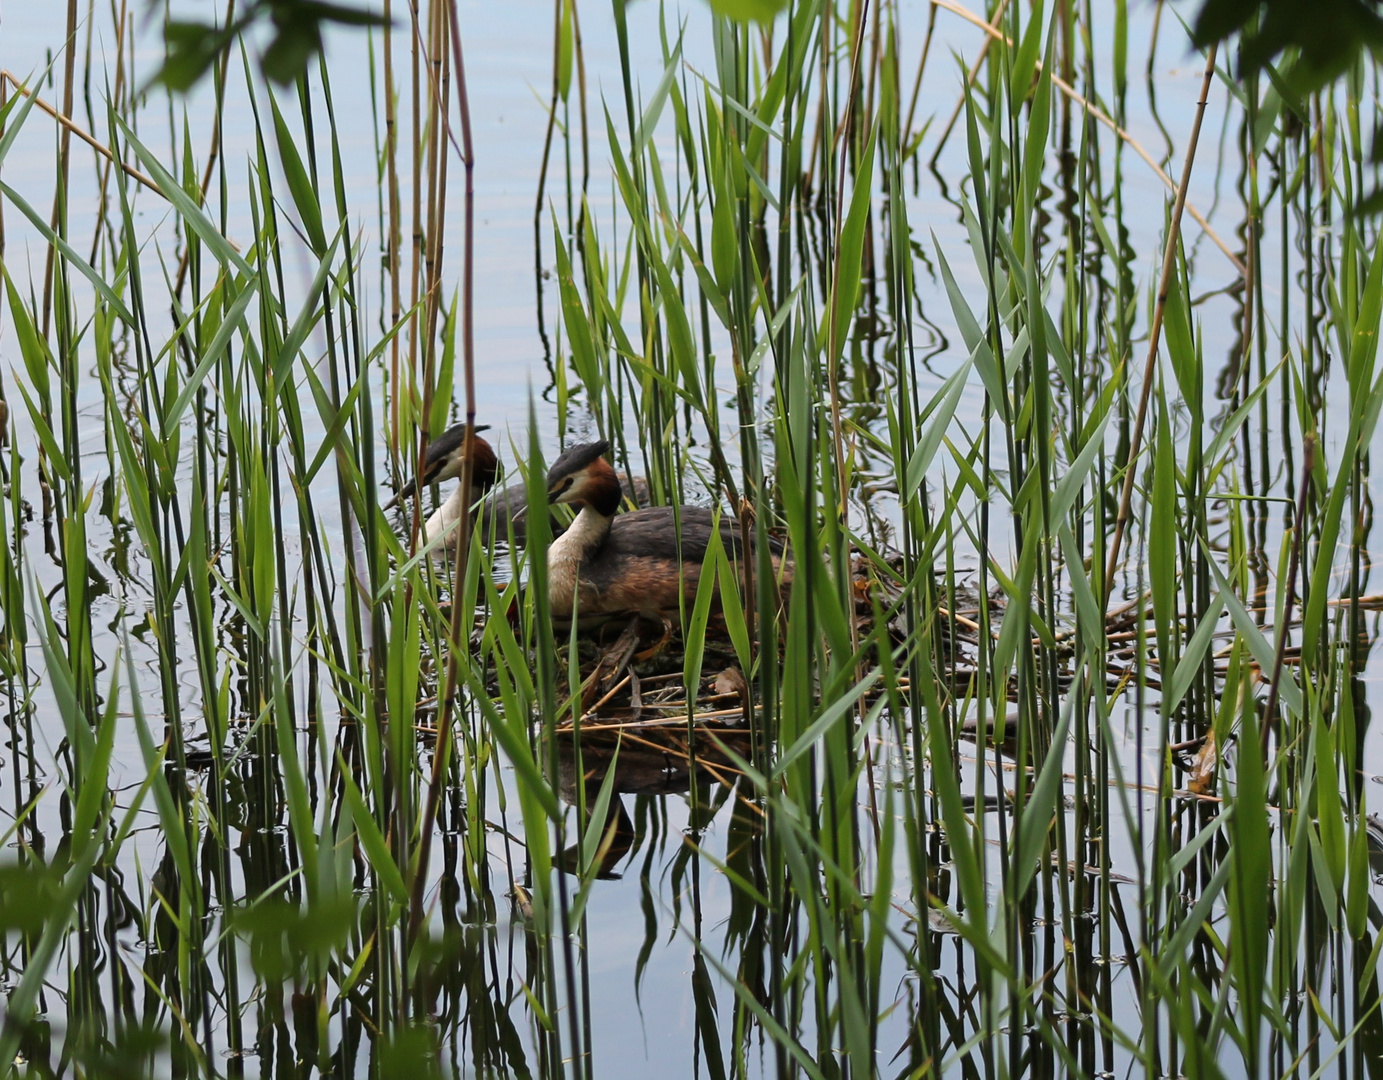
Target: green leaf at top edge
(763,11)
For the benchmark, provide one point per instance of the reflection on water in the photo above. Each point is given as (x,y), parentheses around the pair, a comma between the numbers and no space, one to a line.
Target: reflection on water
(641,759)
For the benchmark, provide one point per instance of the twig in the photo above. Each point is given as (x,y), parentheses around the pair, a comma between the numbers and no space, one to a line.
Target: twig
(1155,333)
(1102,117)
(63,121)
(993,34)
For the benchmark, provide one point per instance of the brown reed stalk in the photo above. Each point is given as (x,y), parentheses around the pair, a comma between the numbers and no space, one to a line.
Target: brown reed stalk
(921,69)
(391,169)
(64,144)
(455,643)
(439,68)
(68,125)
(1155,332)
(415,267)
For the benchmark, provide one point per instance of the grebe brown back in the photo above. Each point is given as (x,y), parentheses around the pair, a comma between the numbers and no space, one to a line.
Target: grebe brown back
(644,562)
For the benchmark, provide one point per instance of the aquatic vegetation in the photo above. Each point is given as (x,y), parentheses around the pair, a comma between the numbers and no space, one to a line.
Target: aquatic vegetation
(1051,757)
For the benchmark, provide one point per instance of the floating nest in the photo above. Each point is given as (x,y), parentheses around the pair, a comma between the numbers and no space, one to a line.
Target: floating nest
(631,673)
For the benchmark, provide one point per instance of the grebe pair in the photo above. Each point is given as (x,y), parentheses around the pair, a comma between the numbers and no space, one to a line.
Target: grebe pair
(499,510)
(606,563)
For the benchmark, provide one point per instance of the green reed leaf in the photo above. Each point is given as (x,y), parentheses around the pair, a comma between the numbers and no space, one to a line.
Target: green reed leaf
(763,11)
(195,218)
(69,254)
(845,287)
(300,184)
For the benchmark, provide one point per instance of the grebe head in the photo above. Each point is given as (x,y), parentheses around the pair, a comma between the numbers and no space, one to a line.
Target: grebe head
(583,476)
(446,456)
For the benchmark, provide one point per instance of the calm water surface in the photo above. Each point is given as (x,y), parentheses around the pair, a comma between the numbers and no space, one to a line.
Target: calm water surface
(644,919)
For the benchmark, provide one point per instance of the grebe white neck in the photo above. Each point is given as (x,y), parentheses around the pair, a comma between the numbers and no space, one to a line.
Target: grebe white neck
(587,533)
(444,518)
(568,551)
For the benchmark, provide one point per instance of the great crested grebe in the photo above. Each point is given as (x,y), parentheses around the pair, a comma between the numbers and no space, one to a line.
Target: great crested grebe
(643,562)
(500,509)
(445,460)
